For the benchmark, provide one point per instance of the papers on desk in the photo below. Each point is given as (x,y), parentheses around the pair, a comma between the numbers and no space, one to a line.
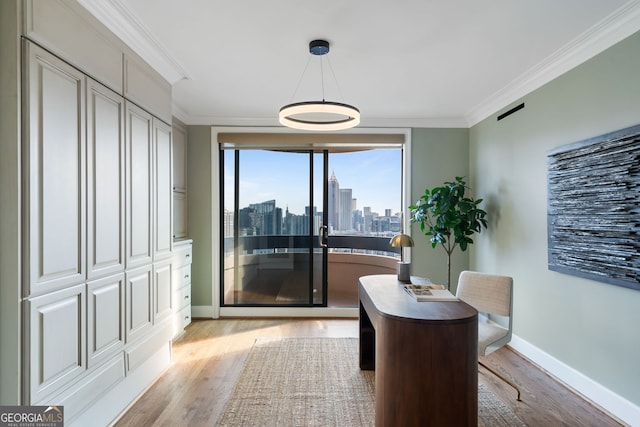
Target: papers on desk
(429,293)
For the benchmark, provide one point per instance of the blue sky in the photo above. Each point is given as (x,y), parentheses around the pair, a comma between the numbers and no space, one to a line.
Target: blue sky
(374,177)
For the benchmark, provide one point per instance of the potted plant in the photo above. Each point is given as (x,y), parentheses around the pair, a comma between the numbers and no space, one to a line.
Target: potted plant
(449,218)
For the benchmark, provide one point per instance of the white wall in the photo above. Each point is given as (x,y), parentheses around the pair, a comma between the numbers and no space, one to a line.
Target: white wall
(584,325)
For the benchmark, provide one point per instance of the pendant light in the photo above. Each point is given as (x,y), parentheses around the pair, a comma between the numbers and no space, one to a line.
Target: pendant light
(319,115)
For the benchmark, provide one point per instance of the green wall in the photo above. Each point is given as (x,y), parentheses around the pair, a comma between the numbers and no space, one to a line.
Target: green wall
(437,156)
(10,243)
(199,212)
(588,325)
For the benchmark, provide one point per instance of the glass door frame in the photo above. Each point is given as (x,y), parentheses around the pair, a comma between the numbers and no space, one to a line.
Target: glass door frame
(214,309)
(299,244)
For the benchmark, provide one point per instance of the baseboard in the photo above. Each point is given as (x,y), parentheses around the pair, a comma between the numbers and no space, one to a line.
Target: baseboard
(203,312)
(601,396)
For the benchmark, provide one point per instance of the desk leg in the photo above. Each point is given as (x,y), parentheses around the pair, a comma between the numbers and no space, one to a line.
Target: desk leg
(367,342)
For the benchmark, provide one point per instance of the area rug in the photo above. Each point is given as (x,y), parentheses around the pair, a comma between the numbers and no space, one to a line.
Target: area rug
(304,382)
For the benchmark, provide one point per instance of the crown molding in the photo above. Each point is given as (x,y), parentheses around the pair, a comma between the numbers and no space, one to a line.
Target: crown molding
(614,28)
(115,16)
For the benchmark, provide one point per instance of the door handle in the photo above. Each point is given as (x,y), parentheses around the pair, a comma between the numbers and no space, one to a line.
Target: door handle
(322,236)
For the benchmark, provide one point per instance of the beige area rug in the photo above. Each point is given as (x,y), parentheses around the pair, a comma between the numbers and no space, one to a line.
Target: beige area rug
(317,382)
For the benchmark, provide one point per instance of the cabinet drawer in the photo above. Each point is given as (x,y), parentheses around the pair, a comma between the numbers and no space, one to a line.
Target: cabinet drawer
(182,255)
(185,316)
(181,276)
(181,320)
(182,297)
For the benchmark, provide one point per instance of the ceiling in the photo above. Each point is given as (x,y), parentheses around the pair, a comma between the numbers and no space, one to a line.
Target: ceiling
(407,63)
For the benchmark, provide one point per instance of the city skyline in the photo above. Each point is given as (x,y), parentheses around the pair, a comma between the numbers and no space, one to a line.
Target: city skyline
(373,176)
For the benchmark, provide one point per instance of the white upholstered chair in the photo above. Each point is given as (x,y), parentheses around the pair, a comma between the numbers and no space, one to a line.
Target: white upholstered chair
(489,294)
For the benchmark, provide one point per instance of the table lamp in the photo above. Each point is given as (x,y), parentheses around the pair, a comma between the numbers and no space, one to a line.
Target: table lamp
(404,268)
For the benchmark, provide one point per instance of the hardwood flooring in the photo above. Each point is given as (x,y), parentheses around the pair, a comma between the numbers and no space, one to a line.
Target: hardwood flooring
(209,356)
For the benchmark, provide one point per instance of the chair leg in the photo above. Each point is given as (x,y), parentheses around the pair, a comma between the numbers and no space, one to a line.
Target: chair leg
(502,378)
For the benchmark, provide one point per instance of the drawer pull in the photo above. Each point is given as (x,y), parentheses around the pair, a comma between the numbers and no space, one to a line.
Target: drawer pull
(186,317)
(186,276)
(187,256)
(186,297)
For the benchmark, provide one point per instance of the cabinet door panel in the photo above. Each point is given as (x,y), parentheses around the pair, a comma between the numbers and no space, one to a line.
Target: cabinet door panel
(57,331)
(105,179)
(179,133)
(55,172)
(163,236)
(179,215)
(105,318)
(139,302)
(162,284)
(139,186)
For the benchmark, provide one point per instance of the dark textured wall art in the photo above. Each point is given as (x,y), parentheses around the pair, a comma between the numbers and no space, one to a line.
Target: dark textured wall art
(593,209)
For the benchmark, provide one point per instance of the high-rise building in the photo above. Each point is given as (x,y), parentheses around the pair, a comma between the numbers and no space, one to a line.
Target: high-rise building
(266,218)
(228,223)
(358,221)
(344,209)
(368,219)
(334,193)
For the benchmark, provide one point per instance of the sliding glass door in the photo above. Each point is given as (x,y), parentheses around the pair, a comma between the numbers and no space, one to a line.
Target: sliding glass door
(300,226)
(273,213)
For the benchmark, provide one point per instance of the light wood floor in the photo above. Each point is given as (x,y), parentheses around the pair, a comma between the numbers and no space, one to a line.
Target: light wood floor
(209,356)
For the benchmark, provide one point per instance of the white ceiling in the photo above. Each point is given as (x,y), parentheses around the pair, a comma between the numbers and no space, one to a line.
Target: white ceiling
(407,63)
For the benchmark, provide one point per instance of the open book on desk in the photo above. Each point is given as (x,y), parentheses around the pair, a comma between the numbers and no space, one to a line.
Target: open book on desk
(429,293)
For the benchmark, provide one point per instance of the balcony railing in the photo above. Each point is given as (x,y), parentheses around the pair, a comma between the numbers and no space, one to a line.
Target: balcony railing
(256,274)
(297,243)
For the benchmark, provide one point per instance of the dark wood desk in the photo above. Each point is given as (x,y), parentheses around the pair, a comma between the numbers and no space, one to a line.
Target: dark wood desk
(425,355)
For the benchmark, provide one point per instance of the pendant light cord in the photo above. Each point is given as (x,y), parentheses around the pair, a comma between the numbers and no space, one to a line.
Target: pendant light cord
(295,92)
(333,74)
(334,79)
(322,77)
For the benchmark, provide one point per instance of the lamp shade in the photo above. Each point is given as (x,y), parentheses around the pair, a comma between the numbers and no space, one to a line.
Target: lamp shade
(402,240)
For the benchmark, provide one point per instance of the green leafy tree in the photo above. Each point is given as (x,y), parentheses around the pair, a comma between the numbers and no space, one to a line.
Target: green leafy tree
(449,218)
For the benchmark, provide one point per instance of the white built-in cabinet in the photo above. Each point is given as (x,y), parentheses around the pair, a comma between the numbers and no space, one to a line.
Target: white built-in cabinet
(139,186)
(182,258)
(56,341)
(105,318)
(55,144)
(105,181)
(162,301)
(98,253)
(162,172)
(182,246)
